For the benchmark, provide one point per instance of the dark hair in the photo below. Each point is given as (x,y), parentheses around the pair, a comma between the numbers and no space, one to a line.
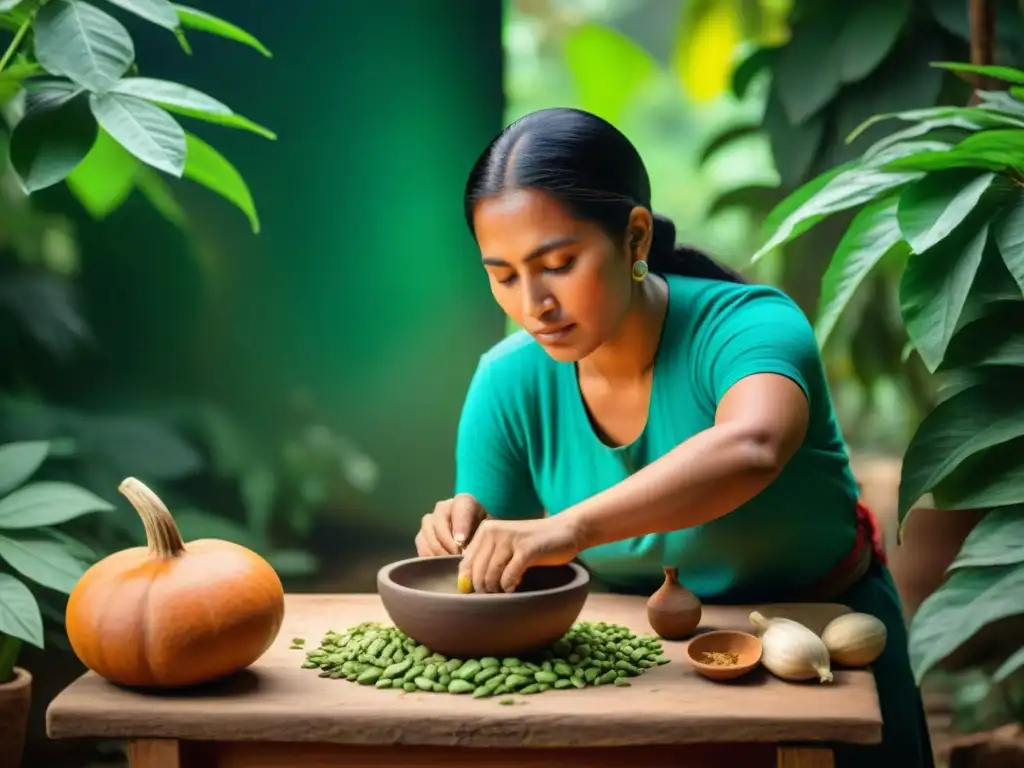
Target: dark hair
(590,167)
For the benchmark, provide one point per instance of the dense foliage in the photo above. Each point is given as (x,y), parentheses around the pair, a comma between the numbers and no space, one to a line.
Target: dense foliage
(943,199)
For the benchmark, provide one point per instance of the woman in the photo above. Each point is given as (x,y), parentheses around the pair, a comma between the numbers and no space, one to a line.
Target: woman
(656,410)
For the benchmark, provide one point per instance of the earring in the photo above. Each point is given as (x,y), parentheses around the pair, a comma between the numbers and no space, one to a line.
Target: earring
(639,270)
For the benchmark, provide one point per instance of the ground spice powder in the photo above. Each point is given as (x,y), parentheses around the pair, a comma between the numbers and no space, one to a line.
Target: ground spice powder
(720,658)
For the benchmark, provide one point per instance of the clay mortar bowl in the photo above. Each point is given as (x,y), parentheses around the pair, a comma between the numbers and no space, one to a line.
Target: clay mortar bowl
(745,645)
(421,597)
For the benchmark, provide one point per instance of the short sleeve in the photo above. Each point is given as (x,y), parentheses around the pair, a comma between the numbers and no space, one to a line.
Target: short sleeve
(490,462)
(763,332)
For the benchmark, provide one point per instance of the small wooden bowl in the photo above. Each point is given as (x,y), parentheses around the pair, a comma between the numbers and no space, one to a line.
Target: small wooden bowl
(746,646)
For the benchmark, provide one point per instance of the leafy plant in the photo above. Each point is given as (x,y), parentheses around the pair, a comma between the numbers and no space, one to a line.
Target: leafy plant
(32,547)
(943,198)
(89,119)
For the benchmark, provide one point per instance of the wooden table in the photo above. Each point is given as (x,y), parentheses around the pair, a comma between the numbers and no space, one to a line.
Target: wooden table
(276,714)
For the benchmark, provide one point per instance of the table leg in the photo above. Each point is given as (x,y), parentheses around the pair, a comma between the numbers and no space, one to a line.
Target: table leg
(805,757)
(154,753)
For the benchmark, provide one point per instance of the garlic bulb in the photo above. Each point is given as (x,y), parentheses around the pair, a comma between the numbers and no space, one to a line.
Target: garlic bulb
(854,639)
(791,651)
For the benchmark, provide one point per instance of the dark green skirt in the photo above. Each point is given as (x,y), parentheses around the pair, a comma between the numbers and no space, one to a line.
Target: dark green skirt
(905,739)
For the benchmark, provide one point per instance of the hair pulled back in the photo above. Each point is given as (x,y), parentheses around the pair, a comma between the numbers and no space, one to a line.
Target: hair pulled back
(590,167)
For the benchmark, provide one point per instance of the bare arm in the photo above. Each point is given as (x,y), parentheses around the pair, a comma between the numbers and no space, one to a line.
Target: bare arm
(760,422)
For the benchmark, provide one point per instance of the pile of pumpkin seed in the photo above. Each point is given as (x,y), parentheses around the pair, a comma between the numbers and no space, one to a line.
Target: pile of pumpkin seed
(589,654)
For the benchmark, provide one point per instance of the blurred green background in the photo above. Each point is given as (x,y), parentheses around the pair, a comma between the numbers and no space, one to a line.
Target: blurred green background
(297,390)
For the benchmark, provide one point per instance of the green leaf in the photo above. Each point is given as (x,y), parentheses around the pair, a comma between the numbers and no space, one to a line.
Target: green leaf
(189,102)
(1012,665)
(160,196)
(872,234)
(934,288)
(966,603)
(105,178)
(932,207)
(19,461)
(758,198)
(201,21)
(1007,74)
(996,338)
(868,36)
(45,562)
(1001,102)
(607,67)
(159,12)
(993,150)
(48,503)
(208,167)
(13,77)
(997,540)
(54,136)
(19,612)
(144,129)
(794,146)
(1009,235)
(82,43)
(727,137)
(843,191)
(750,68)
(992,479)
(965,424)
(806,75)
(969,118)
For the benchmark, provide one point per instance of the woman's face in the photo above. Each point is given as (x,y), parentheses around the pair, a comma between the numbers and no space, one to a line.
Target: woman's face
(561,279)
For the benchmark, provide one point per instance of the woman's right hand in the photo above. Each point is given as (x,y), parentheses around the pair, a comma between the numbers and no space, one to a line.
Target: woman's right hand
(448,529)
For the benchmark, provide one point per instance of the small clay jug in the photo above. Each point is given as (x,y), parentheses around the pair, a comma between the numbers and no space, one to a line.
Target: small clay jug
(673,611)
(15,698)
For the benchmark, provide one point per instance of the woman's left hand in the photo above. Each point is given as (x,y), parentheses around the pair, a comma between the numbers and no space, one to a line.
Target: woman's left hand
(501,551)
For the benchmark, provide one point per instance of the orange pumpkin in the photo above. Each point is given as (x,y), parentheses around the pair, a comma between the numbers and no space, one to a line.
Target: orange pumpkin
(171,614)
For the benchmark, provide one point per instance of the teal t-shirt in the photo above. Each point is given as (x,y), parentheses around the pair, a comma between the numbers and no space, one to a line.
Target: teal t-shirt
(526,446)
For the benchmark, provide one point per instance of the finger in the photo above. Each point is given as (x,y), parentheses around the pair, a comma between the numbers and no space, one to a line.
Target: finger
(484,547)
(466,514)
(434,547)
(493,570)
(440,526)
(422,549)
(512,576)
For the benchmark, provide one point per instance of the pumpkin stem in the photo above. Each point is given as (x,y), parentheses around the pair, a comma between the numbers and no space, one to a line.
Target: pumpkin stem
(162,532)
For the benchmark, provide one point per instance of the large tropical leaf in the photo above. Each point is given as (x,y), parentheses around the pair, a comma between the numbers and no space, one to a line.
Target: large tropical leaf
(868,36)
(105,178)
(210,168)
(19,461)
(932,207)
(968,601)
(872,234)
(193,18)
(973,420)
(47,563)
(997,540)
(54,136)
(144,129)
(934,289)
(48,503)
(1009,236)
(83,43)
(175,97)
(847,189)
(19,612)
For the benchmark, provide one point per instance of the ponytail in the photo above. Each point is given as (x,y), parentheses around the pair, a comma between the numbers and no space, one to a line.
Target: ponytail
(668,258)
